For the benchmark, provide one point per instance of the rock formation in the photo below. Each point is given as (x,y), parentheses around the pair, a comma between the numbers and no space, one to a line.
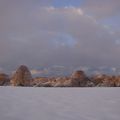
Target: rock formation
(103,80)
(22,77)
(4,79)
(37,82)
(79,79)
(63,82)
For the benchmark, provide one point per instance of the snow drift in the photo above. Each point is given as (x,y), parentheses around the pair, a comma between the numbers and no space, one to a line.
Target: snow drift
(59,103)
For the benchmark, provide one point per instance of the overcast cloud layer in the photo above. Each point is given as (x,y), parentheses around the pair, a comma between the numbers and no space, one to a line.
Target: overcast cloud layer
(37,33)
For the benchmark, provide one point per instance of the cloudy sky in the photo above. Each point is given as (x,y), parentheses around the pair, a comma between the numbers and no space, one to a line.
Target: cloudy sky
(59,32)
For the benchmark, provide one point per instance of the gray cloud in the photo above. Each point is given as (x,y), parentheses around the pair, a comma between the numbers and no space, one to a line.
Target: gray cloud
(42,36)
(102,8)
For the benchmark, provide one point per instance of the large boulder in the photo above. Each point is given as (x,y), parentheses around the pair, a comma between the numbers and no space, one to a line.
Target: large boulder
(4,79)
(22,77)
(78,75)
(79,79)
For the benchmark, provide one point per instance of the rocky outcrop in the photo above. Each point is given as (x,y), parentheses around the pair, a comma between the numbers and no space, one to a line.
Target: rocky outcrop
(4,79)
(78,75)
(79,79)
(22,77)
(37,82)
(63,82)
(116,81)
(103,80)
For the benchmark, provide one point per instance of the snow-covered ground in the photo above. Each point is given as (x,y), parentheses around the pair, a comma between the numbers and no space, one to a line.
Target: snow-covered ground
(59,103)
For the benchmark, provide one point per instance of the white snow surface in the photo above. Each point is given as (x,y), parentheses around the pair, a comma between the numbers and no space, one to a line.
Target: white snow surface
(20,103)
